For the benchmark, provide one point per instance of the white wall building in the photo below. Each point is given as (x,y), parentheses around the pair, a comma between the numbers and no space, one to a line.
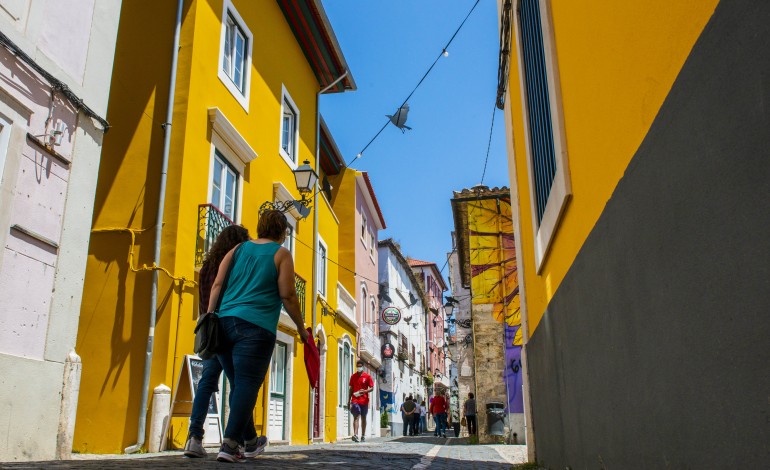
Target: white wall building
(399,288)
(56,67)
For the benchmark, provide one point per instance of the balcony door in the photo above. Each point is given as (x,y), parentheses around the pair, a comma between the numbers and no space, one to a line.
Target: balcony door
(276,415)
(224,186)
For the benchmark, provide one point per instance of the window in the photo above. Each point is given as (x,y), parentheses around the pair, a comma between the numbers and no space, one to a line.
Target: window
(289,130)
(363,228)
(235,54)
(345,371)
(322,252)
(373,310)
(224,186)
(236,46)
(289,242)
(403,348)
(364,313)
(372,244)
(546,154)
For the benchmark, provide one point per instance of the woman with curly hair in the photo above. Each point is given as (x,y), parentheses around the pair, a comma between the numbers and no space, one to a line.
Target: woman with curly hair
(228,239)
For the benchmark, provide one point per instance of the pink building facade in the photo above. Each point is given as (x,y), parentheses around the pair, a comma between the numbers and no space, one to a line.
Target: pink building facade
(435,286)
(369,222)
(55,77)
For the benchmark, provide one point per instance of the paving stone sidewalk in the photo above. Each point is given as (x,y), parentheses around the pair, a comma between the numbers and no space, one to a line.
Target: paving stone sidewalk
(419,453)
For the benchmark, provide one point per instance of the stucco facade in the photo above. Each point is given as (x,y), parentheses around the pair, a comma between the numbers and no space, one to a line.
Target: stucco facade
(643,256)
(244,117)
(53,55)
(402,374)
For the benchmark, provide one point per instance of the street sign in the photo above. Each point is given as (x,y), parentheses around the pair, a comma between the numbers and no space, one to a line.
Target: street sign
(391,315)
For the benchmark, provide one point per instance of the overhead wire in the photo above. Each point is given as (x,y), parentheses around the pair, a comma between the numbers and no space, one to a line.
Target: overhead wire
(444,52)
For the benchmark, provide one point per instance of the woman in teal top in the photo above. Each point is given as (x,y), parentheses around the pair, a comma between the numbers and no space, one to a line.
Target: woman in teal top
(260,282)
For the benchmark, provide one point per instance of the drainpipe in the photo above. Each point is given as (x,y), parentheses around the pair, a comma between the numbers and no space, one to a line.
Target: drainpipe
(315,232)
(158,233)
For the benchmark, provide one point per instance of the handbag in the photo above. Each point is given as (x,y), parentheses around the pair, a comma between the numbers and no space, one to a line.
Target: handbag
(463,422)
(208,334)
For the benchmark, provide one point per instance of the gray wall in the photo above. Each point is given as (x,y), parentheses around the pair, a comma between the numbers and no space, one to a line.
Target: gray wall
(654,351)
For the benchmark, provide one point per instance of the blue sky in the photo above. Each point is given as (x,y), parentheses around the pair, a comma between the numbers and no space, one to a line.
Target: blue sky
(389,45)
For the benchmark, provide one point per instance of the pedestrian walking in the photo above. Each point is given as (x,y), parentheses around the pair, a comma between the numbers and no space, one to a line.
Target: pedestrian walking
(416,419)
(408,413)
(469,411)
(229,238)
(261,281)
(359,388)
(439,408)
(423,417)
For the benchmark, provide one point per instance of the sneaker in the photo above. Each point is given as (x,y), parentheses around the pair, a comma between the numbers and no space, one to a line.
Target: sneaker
(444,436)
(354,438)
(251,451)
(229,454)
(363,439)
(193,448)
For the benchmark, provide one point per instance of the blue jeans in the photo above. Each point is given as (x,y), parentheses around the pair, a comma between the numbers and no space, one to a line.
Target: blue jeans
(208,384)
(245,360)
(423,424)
(441,423)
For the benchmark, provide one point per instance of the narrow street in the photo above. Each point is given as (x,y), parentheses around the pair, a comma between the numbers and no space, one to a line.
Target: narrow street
(403,453)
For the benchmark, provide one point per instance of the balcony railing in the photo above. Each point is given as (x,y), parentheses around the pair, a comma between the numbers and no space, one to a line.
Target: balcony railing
(370,345)
(211,222)
(299,285)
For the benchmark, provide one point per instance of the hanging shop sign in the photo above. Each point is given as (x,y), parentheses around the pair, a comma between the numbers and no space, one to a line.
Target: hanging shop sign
(391,315)
(387,351)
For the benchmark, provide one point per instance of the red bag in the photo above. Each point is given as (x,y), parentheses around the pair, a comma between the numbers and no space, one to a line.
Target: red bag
(312,360)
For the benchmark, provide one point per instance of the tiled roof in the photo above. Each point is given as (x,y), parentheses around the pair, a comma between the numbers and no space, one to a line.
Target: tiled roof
(416,262)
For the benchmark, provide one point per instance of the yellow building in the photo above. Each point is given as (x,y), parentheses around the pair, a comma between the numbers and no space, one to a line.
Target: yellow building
(244,117)
(637,137)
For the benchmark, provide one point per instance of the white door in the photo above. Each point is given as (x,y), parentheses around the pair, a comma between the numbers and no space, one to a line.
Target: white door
(344,423)
(276,413)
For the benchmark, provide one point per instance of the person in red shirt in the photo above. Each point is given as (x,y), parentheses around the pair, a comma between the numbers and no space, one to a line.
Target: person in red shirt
(361,385)
(438,409)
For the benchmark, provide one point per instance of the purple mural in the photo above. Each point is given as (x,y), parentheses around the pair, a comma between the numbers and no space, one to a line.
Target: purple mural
(513,371)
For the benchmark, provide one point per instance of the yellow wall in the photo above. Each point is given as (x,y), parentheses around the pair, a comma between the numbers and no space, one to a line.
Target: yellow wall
(116,304)
(616,66)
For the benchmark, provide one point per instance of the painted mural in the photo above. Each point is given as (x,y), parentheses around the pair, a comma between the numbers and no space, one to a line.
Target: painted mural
(494,281)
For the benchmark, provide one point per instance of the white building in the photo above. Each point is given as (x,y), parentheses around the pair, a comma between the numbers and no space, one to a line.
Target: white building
(403,375)
(56,67)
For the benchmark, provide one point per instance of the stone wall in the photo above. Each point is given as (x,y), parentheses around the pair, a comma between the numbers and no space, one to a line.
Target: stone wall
(489,357)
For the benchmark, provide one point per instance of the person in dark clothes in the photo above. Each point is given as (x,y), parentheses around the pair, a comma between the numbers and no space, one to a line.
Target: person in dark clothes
(228,238)
(469,410)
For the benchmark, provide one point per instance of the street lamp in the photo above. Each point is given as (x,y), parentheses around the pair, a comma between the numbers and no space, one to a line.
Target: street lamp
(305,178)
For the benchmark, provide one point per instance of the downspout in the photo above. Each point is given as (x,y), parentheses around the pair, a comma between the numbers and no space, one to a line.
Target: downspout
(158,234)
(315,233)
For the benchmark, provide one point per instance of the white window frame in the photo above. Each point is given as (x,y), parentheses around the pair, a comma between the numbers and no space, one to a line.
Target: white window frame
(561,188)
(227,167)
(364,309)
(291,160)
(372,244)
(289,342)
(373,309)
(242,97)
(344,376)
(5,136)
(364,229)
(322,273)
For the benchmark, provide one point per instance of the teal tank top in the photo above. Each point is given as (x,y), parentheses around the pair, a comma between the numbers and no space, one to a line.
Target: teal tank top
(252,288)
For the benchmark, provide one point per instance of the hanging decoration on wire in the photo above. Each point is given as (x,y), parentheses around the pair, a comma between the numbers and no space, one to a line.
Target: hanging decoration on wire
(399,119)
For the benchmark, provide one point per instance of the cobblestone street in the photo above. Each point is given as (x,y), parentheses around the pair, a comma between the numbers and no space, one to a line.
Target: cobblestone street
(407,453)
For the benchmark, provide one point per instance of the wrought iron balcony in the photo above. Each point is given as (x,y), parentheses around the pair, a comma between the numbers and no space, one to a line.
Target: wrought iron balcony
(211,222)
(299,285)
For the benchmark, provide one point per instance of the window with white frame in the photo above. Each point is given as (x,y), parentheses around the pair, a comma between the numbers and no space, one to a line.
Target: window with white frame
(373,309)
(550,186)
(364,313)
(235,54)
(289,130)
(322,267)
(235,50)
(345,365)
(288,243)
(224,186)
(363,228)
(372,244)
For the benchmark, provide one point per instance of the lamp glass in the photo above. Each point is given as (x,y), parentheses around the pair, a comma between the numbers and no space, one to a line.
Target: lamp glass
(305,177)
